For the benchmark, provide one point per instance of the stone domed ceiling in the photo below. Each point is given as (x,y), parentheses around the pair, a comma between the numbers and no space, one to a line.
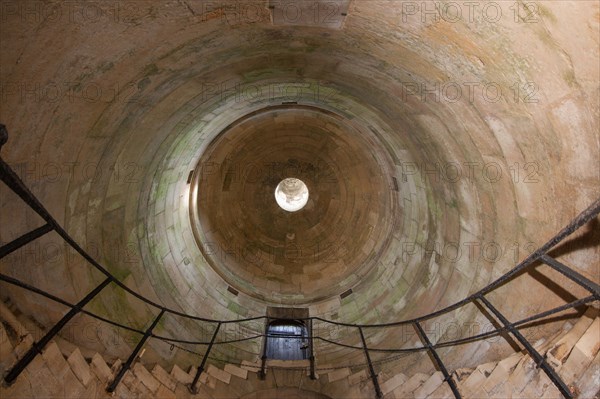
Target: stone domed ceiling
(316,252)
(437,148)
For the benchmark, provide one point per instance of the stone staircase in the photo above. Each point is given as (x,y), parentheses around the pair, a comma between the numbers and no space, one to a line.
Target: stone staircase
(66,373)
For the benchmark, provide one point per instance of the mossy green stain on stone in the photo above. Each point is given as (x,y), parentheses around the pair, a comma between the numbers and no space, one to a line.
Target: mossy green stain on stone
(237,309)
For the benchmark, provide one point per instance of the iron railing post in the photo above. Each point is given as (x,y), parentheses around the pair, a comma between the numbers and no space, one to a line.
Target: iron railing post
(113,385)
(539,359)
(371,368)
(38,346)
(192,387)
(311,344)
(262,374)
(438,360)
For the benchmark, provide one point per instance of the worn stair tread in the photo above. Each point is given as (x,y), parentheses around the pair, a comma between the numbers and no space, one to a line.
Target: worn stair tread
(145,377)
(588,383)
(501,372)
(357,377)
(393,383)
(181,376)
(442,392)
(219,374)
(100,368)
(414,382)
(582,353)
(339,374)
(559,352)
(429,386)
(236,371)
(80,367)
(477,378)
(55,360)
(165,379)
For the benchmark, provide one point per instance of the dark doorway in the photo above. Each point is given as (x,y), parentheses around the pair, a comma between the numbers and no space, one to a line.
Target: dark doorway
(287,340)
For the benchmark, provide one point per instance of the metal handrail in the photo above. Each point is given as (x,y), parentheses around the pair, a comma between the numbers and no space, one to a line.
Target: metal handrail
(13,181)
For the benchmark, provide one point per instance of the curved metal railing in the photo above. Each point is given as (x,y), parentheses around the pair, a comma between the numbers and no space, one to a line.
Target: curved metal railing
(12,180)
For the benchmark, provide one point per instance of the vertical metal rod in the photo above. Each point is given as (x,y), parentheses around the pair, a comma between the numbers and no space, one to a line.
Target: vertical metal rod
(24,240)
(192,387)
(38,346)
(438,360)
(573,275)
(539,359)
(263,360)
(113,385)
(311,344)
(371,369)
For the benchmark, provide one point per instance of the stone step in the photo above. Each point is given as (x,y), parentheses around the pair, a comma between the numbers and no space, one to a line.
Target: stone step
(497,382)
(442,392)
(515,376)
(583,353)
(339,374)
(181,376)
(477,378)
(80,367)
(161,375)
(358,377)
(236,371)
(101,369)
(559,352)
(219,374)
(7,357)
(55,360)
(145,377)
(393,383)
(429,386)
(406,390)
(587,385)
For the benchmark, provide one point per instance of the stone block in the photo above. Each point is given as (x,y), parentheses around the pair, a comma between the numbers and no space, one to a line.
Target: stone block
(442,392)
(130,381)
(100,368)
(80,367)
(477,378)
(501,372)
(55,360)
(23,346)
(219,374)
(559,352)
(237,371)
(72,387)
(588,381)
(7,358)
(161,375)
(165,393)
(145,377)
(393,383)
(358,377)
(582,353)
(429,386)
(208,380)
(251,366)
(414,382)
(181,376)
(338,374)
